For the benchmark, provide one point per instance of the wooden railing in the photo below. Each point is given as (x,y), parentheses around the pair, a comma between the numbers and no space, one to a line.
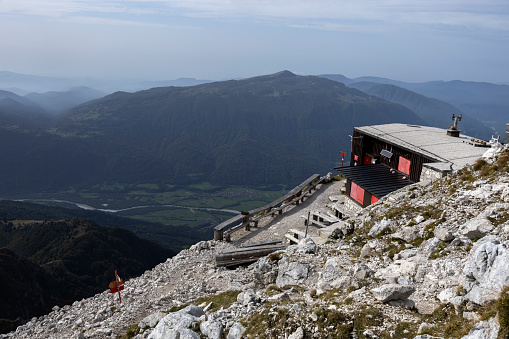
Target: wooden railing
(295,196)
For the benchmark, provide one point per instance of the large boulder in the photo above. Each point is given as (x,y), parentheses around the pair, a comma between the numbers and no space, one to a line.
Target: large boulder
(443,233)
(306,245)
(390,292)
(380,227)
(476,228)
(360,271)
(236,331)
(406,234)
(151,320)
(333,275)
(213,329)
(265,272)
(292,272)
(486,271)
(176,324)
(341,229)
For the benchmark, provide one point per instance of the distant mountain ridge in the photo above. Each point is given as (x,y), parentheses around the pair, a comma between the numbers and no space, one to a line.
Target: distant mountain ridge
(486,102)
(266,130)
(435,112)
(59,101)
(263,130)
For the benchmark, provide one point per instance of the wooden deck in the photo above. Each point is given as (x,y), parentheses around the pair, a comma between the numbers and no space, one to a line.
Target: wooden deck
(295,196)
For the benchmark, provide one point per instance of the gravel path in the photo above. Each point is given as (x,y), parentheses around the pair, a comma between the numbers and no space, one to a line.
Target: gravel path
(292,217)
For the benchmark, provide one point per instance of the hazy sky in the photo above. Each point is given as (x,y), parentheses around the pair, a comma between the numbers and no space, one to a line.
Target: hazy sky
(409,40)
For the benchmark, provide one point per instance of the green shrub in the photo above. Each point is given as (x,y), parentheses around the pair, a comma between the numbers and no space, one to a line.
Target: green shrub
(132,332)
(274,257)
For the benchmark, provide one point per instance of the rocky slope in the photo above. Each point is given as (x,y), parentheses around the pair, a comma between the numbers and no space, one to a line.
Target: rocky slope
(429,260)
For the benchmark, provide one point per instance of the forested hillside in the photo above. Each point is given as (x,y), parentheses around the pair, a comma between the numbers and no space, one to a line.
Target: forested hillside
(273,129)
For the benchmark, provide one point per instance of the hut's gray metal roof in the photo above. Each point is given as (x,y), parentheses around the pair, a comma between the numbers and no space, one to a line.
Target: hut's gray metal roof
(430,142)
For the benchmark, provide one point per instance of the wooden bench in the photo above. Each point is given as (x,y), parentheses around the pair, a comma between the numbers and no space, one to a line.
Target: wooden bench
(340,211)
(261,243)
(244,255)
(294,236)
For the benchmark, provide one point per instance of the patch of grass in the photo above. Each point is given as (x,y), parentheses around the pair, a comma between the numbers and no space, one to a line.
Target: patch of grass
(467,176)
(333,324)
(440,251)
(365,318)
(177,308)
(503,313)
(348,301)
(275,257)
(499,219)
(401,330)
(131,332)
(270,324)
(330,294)
(273,289)
(393,248)
(448,323)
(295,288)
(225,299)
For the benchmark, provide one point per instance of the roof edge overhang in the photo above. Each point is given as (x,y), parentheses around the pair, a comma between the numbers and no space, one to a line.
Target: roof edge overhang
(377,179)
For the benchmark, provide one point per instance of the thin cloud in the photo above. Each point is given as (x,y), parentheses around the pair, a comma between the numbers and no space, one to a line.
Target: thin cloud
(322,14)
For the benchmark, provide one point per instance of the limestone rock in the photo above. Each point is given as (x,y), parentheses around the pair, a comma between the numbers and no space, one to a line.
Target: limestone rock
(306,245)
(486,271)
(476,228)
(298,334)
(390,292)
(292,272)
(379,227)
(212,329)
(360,271)
(372,248)
(236,331)
(443,233)
(176,324)
(446,295)
(151,320)
(406,234)
(248,296)
(342,229)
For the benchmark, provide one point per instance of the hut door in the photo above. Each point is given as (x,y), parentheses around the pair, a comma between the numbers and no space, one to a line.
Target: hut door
(357,193)
(404,165)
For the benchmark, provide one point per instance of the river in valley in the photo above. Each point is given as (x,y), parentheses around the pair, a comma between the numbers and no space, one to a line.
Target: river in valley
(105,209)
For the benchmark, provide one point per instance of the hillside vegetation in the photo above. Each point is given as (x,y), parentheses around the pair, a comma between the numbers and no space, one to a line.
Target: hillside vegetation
(48,262)
(268,130)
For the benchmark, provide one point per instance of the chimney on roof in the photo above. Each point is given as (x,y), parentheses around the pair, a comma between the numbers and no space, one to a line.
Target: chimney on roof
(453,131)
